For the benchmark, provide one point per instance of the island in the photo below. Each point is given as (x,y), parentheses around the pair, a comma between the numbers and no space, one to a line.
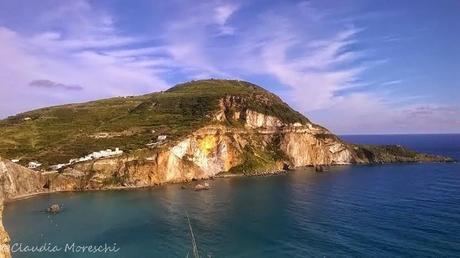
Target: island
(192,131)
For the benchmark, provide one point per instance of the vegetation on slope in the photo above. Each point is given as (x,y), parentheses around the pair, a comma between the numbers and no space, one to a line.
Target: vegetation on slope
(56,134)
(395,153)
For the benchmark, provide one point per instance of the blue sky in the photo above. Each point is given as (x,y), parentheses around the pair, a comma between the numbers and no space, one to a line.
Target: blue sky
(352,66)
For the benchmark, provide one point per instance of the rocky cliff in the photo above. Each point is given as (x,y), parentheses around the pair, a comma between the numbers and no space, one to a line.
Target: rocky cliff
(4,237)
(192,131)
(258,144)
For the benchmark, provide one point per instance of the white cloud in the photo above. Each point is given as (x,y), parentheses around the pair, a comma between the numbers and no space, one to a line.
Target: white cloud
(223,13)
(71,57)
(189,39)
(313,72)
(362,113)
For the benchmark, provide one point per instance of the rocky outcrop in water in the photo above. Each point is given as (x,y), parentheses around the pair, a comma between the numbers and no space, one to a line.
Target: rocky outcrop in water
(54,209)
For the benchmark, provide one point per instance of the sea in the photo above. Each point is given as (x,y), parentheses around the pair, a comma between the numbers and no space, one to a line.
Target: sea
(392,210)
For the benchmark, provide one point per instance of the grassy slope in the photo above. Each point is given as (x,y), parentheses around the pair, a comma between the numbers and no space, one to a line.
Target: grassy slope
(57,134)
(396,153)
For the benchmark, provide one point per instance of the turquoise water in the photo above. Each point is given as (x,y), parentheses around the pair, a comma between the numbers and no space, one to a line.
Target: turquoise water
(366,211)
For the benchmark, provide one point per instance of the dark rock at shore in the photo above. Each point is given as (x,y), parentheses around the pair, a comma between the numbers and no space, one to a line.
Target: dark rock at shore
(319,168)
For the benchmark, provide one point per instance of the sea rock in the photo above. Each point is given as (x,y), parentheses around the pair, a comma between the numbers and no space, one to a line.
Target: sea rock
(200,187)
(54,208)
(319,169)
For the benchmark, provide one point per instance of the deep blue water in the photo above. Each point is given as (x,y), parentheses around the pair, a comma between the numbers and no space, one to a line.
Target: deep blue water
(397,210)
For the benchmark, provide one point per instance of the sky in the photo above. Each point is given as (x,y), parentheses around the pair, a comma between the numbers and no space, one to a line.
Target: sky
(356,67)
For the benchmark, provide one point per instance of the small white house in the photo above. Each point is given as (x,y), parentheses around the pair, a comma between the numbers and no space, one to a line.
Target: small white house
(15,160)
(58,166)
(94,155)
(161,137)
(34,165)
(101,154)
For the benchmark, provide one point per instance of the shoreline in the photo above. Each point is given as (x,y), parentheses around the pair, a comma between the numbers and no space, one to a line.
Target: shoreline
(223,175)
(127,188)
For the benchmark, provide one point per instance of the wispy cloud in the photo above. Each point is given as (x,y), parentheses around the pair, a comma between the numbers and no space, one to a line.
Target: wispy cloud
(47,84)
(75,54)
(313,72)
(392,82)
(223,12)
(367,113)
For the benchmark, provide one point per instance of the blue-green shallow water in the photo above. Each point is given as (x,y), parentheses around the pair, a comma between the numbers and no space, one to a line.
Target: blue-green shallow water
(367,211)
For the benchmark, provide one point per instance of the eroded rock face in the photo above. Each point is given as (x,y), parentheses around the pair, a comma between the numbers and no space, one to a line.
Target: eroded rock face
(308,149)
(261,143)
(4,237)
(16,180)
(208,151)
(203,154)
(258,120)
(217,148)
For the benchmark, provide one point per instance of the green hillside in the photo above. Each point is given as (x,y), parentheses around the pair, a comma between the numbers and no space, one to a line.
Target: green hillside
(56,134)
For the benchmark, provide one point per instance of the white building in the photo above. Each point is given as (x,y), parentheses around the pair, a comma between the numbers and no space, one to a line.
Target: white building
(94,155)
(15,160)
(104,153)
(58,166)
(160,140)
(101,154)
(34,165)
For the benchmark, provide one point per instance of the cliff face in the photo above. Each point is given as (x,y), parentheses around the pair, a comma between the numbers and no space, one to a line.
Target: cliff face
(17,181)
(238,141)
(4,237)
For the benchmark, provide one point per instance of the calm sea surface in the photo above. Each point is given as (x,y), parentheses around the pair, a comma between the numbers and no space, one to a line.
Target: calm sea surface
(410,210)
